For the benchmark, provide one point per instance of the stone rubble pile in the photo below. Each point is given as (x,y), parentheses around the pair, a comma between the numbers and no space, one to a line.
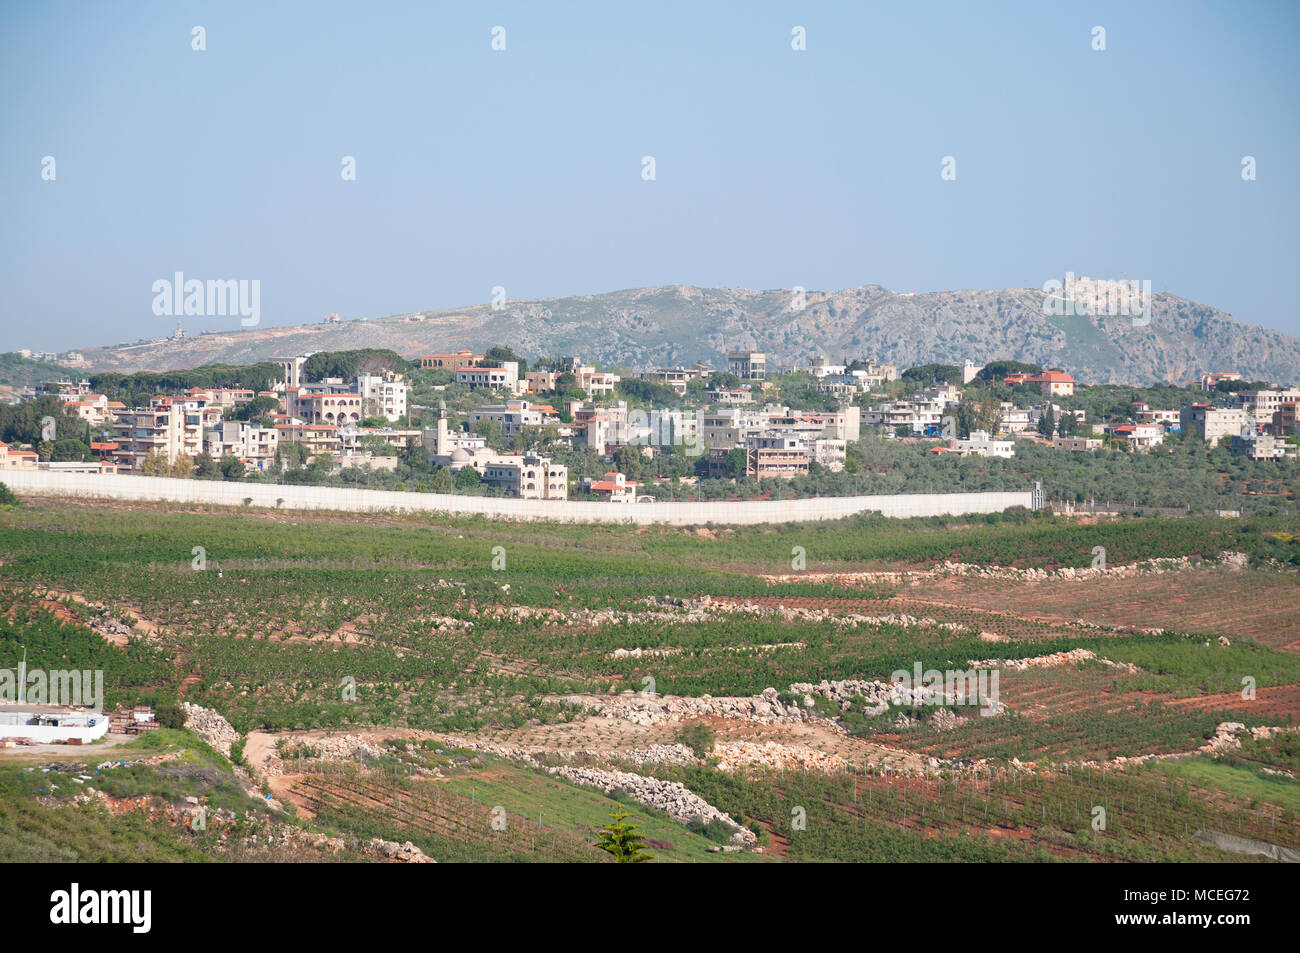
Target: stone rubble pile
(109,626)
(725,649)
(642,653)
(879,696)
(948,568)
(674,799)
(738,754)
(679,611)
(943,719)
(405,853)
(1145,567)
(643,708)
(646,709)
(659,754)
(210,726)
(1055,659)
(846,577)
(331,748)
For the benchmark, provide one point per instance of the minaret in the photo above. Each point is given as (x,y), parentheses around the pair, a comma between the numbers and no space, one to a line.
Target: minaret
(441,444)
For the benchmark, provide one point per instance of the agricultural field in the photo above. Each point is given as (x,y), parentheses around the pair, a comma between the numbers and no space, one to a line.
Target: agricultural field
(336,687)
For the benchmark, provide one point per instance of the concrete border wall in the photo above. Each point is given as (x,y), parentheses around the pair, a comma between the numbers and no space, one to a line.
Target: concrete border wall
(124,487)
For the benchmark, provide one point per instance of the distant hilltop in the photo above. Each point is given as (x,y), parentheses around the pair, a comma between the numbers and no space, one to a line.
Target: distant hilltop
(1173,340)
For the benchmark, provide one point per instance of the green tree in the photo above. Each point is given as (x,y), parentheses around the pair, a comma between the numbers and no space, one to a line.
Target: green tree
(1047,422)
(496,356)
(257,408)
(70,449)
(466,478)
(232,468)
(624,841)
(440,481)
(699,737)
(737,462)
(628,461)
(206,467)
(155,464)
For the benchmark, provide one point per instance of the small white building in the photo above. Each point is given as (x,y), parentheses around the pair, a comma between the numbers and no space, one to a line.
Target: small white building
(52,726)
(980,444)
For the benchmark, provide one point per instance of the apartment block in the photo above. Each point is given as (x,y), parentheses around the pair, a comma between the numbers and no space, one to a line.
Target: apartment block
(1214,423)
(677,377)
(1266,403)
(775,456)
(317,438)
(528,475)
(383,396)
(255,445)
(747,365)
(504,378)
(1262,446)
(512,416)
(327,408)
(1285,420)
(169,427)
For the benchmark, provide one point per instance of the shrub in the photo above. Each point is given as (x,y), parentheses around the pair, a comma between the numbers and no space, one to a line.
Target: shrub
(698,737)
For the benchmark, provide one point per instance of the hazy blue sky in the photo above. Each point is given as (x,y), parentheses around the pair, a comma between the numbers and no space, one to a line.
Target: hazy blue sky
(522,168)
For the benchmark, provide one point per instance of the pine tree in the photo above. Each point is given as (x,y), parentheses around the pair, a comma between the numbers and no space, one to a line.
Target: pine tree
(623,840)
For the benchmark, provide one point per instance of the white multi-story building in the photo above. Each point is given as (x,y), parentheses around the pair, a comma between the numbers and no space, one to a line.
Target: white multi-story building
(822,368)
(677,377)
(1014,419)
(504,378)
(255,445)
(383,396)
(919,415)
(512,416)
(169,427)
(1262,446)
(1265,403)
(1212,423)
(830,453)
(843,386)
(527,475)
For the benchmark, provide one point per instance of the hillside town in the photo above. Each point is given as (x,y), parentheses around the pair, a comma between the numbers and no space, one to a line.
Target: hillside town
(487,424)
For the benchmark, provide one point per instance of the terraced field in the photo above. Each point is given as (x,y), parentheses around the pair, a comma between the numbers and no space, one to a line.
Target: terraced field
(674,654)
(1216,601)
